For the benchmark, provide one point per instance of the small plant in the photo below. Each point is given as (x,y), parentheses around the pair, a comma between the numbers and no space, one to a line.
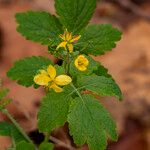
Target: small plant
(71,88)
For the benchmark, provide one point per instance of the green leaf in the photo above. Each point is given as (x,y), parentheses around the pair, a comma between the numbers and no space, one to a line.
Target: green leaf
(90,123)
(100,85)
(102,71)
(98,39)
(7,129)
(24,70)
(24,146)
(75,14)
(39,27)
(54,109)
(46,146)
(3,93)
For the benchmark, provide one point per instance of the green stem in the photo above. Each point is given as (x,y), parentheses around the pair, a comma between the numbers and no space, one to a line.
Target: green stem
(47,135)
(77,91)
(68,63)
(5,111)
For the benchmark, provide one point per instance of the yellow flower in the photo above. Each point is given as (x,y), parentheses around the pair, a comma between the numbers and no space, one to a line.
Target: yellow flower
(68,40)
(48,78)
(81,62)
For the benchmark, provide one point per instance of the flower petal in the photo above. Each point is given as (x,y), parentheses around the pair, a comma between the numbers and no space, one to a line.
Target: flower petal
(62,36)
(43,72)
(63,80)
(68,36)
(82,68)
(42,79)
(56,88)
(83,59)
(62,44)
(76,38)
(70,47)
(51,71)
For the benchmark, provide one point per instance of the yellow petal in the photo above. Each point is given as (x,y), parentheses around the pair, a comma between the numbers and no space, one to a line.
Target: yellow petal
(70,47)
(86,62)
(63,80)
(56,88)
(83,59)
(62,44)
(62,36)
(68,36)
(76,62)
(76,38)
(82,68)
(42,79)
(43,72)
(51,71)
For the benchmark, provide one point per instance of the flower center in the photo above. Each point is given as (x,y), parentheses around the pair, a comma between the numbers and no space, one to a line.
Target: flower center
(80,63)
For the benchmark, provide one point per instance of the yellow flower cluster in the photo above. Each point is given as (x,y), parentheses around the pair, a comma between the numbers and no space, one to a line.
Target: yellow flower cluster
(67,41)
(49,79)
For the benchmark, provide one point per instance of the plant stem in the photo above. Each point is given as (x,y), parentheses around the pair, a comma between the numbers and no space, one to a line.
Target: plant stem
(60,143)
(47,135)
(5,111)
(76,91)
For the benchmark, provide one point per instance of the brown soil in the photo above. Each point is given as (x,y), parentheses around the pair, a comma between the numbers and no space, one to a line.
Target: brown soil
(129,63)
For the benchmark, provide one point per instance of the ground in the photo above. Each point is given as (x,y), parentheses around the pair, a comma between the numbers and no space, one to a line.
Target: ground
(129,63)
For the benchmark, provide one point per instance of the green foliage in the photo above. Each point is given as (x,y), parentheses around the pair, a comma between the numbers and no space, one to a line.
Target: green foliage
(54,109)
(75,14)
(100,85)
(24,70)
(98,39)
(90,122)
(7,129)
(24,146)
(3,93)
(4,103)
(39,27)
(46,146)
(102,71)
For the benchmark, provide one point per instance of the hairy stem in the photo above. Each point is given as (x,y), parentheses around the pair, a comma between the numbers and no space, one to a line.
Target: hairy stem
(5,111)
(47,135)
(60,143)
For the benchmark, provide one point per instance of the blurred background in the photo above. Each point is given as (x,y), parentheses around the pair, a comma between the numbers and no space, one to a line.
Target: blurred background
(129,64)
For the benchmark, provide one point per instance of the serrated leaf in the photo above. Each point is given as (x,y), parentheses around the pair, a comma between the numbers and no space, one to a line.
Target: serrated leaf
(54,109)
(39,27)
(46,146)
(24,70)
(100,85)
(98,39)
(24,146)
(75,14)
(102,71)
(7,129)
(90,123)
(3,93)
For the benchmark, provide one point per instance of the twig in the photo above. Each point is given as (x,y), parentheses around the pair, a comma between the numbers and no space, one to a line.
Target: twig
(5,111)
(134,8)
(60,143)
